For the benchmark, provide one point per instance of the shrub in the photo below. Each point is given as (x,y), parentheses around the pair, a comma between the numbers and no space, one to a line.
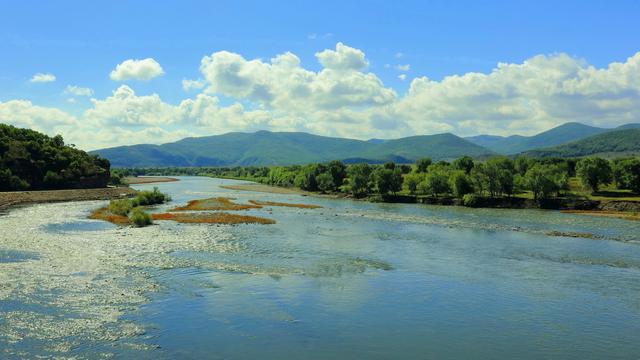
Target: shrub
(147,197)
(471,200)
(120,207)
(140,218)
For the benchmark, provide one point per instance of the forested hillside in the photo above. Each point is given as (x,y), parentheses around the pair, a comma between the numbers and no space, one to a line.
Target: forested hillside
(288,148)
(30,160)
(615,142)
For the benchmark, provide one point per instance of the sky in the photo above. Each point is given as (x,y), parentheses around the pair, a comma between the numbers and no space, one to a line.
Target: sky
(124,72)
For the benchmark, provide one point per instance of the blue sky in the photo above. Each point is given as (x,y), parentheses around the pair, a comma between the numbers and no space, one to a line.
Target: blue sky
(81,43)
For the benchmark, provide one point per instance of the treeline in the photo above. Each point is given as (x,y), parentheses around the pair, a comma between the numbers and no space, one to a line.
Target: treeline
(463,178)
(30,160)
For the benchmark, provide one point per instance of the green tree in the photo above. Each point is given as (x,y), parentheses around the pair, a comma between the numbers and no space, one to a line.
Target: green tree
(436,182)
(325,182)
(411,182)
(464,163)
(387,180)
(423,164)
(627,174)
(359,179)
(593,172)
(338,172)
(460,183)
(545,180)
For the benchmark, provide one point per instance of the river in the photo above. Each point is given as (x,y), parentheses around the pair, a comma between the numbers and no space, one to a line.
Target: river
(348,280)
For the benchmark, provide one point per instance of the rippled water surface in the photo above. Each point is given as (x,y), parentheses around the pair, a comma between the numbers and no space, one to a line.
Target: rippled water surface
(349,280)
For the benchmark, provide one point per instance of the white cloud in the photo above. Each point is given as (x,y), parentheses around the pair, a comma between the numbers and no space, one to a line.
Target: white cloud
(22,113)
(145,69)
(284,85)
(43,78)
(78,91)
(399,55)
(342,99)
(125,108)
(405,67)
(188,85)
(343,58)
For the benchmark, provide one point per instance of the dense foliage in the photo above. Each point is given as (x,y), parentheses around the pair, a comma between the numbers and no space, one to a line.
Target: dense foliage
(497,177)
(30,160)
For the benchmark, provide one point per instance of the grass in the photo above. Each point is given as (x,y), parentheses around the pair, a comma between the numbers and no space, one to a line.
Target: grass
(215,218)
(272,203)
(219,203)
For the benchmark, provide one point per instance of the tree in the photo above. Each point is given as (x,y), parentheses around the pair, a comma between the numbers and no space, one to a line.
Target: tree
(338,172)
(627,174)
(388,180)
(545,180)
(411,182)
(593,172)
(460,183)
(423,164)
(325,182)
(435,182)
(464,163)
(522,164)
(499,176)
(359,179)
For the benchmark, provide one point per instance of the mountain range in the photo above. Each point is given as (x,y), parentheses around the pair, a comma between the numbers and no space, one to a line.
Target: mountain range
(515,144)
(288,148)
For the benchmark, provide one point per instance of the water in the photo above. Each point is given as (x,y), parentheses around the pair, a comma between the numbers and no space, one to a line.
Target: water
(350,280)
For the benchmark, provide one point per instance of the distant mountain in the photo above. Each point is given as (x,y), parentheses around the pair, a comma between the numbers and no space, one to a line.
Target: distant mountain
(559,135)
(625,141)
(286,148)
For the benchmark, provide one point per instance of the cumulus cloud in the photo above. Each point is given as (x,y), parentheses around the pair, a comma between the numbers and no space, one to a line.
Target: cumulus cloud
(542,92)
(343,58)
(343,99)
(405,67)
(284,85)
(43,78)
(78,91)
(124,107)
(188,85)
(131,69)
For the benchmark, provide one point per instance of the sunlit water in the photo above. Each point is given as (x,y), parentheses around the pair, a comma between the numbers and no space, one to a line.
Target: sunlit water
(350,280)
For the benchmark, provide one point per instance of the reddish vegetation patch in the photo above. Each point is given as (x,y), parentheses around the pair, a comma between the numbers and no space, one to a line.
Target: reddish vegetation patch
(219,203)
(214,218)
(104,214)
(272,203)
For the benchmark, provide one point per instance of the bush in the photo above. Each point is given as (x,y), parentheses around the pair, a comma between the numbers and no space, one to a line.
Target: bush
(145,198)
(120,207)
(471,200)
(140,218)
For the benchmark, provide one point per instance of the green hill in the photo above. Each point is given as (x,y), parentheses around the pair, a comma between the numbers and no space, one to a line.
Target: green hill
(30,160)
(559,135)
(625,141)
(287,148)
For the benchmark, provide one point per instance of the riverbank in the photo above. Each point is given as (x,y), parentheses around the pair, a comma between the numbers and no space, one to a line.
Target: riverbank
(13,198)
(148,179)
(622,209)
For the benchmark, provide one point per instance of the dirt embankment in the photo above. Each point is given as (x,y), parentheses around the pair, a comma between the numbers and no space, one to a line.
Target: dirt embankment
(148,179)
(26,197)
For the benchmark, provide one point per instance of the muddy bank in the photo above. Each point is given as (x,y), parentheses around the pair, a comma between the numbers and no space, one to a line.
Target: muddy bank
(46,196)
(148,179)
